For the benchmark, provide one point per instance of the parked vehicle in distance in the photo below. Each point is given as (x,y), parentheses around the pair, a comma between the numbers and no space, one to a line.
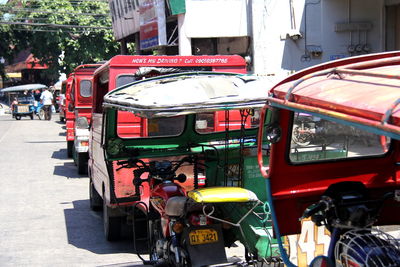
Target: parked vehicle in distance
(24,107)
(339,204)
(69,115)
(22,101)
(189,224)
(82,98)
(56,98)
(111,188)
(80,106)
(62,101)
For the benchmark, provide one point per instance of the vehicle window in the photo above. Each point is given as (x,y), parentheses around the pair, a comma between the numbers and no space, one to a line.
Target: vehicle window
(316,139)
(85,88)
(211,122)
(131,126)
(159,127)
(124,79)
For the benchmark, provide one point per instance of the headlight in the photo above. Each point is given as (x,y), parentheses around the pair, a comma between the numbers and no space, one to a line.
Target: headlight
(82,123)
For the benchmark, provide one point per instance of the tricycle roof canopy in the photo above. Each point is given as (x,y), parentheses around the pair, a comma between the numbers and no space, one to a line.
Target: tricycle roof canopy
(188,93)
(33,86)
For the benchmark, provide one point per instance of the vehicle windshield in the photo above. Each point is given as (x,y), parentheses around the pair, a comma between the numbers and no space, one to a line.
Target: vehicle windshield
(316,139)
(220,121)
(25,100)
(159,127)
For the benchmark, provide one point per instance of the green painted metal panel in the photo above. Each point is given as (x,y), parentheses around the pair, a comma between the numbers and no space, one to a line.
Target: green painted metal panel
(177,6)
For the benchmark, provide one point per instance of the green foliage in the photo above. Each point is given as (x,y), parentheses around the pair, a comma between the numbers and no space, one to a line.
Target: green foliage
(62,48)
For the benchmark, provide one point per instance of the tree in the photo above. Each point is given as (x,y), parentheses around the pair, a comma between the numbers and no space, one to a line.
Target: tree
(62,33)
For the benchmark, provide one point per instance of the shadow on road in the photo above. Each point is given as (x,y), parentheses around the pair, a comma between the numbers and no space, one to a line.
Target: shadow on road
(127,264)
(68,170)
(44,142)
(85,231)
(60,154)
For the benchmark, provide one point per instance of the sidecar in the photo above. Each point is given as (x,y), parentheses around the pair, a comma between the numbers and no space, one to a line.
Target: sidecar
(26,104)
(218,127)
(355,104)
(24,107)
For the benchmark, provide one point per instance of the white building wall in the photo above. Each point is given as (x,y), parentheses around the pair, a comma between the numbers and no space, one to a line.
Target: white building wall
(216,18)
(274,53)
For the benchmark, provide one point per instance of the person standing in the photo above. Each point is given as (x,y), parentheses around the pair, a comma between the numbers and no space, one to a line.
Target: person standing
(46,98)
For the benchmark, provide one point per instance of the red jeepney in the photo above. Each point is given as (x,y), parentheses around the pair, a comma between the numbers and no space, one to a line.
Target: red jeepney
(111,187)
(69,114)
(81,108)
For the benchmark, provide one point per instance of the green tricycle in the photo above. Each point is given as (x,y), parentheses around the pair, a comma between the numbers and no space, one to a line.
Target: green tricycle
(196,181)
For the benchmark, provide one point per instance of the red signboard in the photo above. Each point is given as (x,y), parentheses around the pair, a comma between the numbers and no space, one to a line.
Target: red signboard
(152,24)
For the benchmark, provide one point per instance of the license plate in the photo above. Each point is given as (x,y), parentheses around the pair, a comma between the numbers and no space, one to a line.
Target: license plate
(203,236)
(23,109)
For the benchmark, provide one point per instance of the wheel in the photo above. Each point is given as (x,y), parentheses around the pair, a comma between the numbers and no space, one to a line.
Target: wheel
(82,161)
(31,116)
(62,119)
(17,117)
(155,228)
(94,197)
(70,147)
(112,225)
(41,114)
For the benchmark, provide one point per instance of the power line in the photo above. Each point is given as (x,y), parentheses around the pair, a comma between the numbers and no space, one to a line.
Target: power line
(56,31)
(52,25)
(42,19)
(32,10)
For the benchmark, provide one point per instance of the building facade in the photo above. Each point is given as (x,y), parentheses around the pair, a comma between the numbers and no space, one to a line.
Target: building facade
(276,37)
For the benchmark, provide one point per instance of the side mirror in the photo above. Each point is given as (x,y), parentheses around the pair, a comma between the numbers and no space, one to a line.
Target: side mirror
(181,178)
(70,107)
(273,133)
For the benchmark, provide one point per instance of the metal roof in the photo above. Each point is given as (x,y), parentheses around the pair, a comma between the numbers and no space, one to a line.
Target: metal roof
(188,93)
(33,86)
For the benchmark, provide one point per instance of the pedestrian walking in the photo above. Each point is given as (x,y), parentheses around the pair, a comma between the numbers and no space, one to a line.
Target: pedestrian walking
(46,98)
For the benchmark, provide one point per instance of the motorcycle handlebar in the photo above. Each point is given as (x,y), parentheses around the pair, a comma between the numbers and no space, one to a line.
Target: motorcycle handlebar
(322,205)
(326,203)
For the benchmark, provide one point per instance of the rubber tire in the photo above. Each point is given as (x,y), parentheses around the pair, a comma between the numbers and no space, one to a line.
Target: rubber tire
(70,148)
(154,235)
(31,116)
(17,117)
(94,197)
(82,162)
(41,114)
(62,119)
(112,225)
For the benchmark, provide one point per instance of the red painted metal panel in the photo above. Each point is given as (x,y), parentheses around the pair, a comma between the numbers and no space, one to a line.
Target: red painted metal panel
(363,92)
(132,126)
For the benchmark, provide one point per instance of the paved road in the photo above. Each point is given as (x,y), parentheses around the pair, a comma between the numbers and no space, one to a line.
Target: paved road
(45,218)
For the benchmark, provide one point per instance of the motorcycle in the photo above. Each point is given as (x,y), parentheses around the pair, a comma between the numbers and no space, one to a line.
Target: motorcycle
(348,212)
(183,226)
(308,129)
